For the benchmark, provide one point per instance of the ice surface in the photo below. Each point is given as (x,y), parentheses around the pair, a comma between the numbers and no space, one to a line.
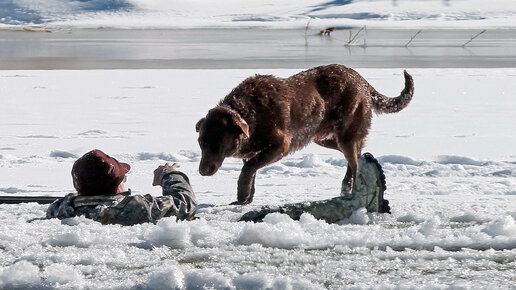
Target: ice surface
(452,198)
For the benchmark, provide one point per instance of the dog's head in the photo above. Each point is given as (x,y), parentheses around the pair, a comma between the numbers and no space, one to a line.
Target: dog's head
(220,133)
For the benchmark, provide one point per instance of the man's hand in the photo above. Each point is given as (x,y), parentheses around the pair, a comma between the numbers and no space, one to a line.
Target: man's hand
(158,172)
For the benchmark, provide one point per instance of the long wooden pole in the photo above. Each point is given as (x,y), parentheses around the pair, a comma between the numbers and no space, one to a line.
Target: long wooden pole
(23,199)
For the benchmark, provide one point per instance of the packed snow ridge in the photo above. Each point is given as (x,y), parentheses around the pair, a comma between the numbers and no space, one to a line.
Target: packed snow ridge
(80,253)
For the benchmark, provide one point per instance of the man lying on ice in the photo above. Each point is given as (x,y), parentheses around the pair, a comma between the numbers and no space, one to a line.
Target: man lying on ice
(99,181)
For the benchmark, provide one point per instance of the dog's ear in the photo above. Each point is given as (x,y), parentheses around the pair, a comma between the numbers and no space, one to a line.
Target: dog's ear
(242,124)
(198,125)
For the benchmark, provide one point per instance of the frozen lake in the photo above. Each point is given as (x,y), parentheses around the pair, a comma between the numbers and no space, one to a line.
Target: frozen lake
(448,158)
(255,48)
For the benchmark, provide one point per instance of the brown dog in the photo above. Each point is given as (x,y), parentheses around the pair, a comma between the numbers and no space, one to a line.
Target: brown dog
(265,118)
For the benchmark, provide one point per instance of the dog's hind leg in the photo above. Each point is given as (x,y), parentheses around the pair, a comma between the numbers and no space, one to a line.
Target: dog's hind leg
(351,152)
(347,183)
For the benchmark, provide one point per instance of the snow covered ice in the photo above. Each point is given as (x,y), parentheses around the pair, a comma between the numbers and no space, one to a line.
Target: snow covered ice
(449,160)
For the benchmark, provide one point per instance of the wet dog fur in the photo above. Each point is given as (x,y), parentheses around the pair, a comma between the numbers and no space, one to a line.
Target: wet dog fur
(265,118)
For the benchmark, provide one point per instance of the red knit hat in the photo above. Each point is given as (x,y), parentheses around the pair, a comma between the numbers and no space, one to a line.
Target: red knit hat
(96,173)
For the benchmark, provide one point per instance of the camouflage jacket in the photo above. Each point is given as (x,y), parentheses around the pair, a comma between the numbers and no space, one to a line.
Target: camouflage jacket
(123,208)
(367,193)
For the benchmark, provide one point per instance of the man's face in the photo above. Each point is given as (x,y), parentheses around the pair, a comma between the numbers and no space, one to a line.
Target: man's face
(121,186)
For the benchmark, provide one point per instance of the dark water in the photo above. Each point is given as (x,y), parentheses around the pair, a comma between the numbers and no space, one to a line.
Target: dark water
(254,48)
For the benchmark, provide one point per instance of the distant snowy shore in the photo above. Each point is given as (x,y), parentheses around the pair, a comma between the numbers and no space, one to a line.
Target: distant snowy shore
(158,14)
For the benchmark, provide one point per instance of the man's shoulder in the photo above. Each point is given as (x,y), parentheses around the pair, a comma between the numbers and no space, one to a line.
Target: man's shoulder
(94,200)
(118,200)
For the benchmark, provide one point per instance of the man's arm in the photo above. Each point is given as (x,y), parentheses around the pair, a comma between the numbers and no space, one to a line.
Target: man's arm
(62,207)
(176,188)
(177,200)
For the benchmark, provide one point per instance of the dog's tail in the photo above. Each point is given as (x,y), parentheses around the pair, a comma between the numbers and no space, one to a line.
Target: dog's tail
(384,104)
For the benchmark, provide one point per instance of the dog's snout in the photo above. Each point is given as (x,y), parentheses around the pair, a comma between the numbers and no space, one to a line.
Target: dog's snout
(207,169)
